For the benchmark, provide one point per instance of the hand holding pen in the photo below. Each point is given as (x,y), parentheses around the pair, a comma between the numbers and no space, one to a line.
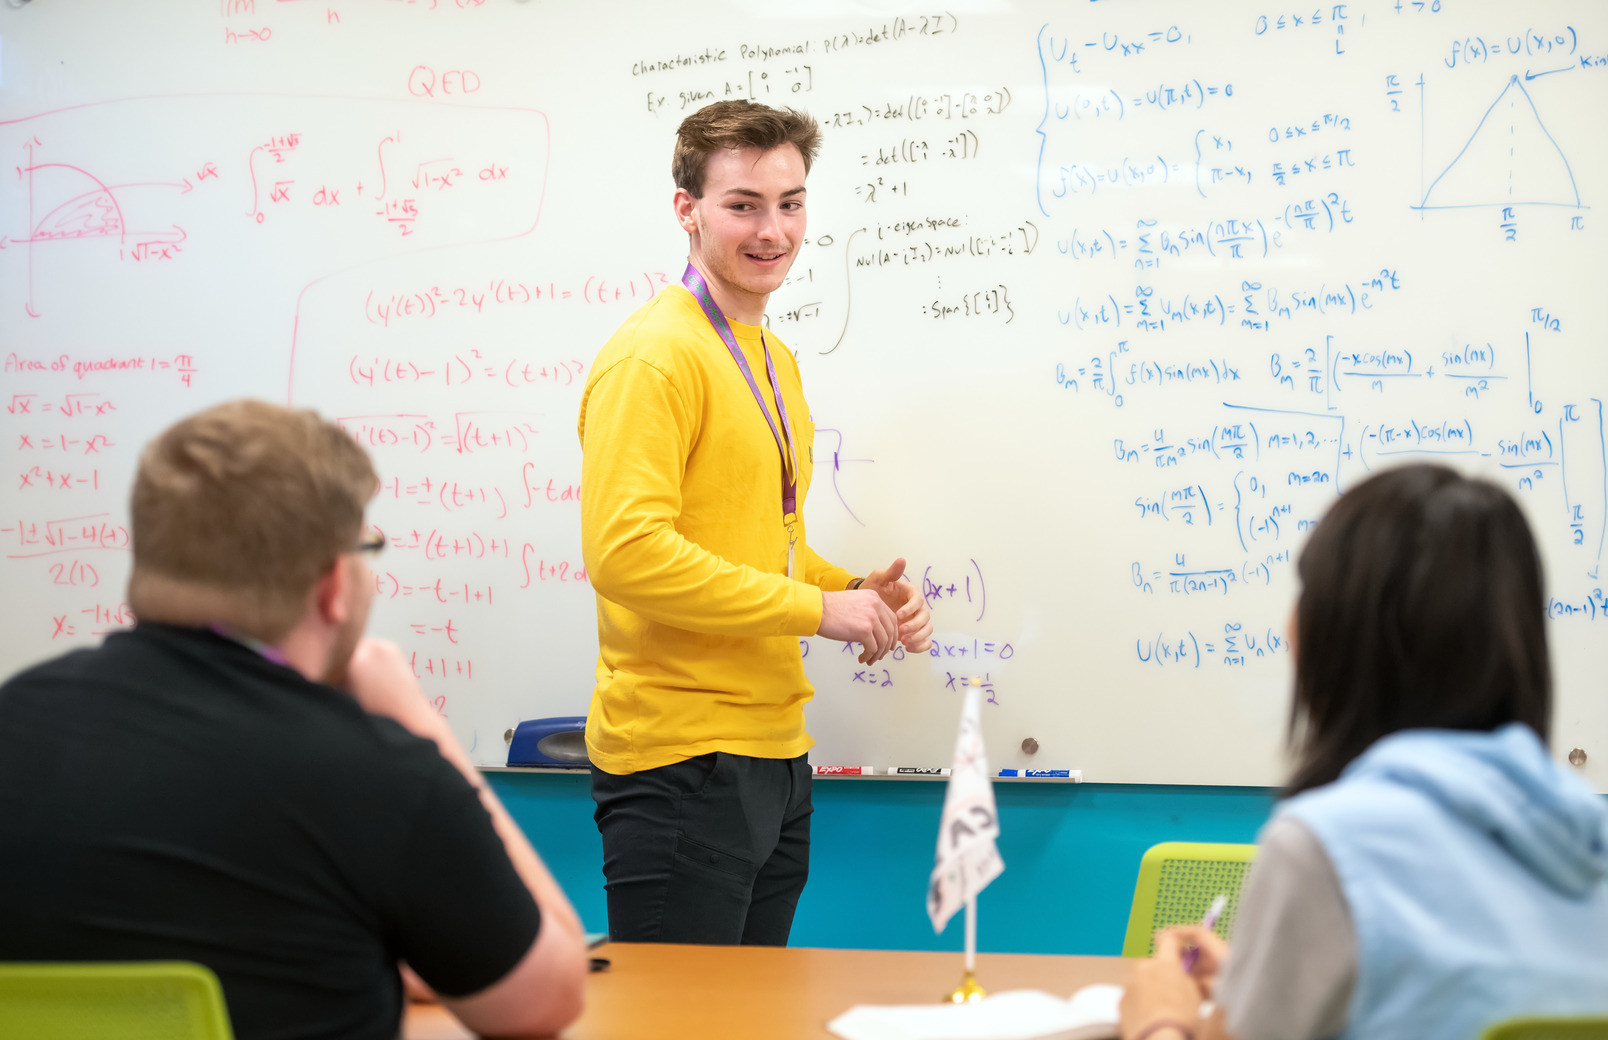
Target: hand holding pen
(1169,987)
(1209,924)
(1198,953)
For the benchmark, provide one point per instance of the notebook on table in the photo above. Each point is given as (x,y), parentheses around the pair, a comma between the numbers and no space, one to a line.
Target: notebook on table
(1022,1014)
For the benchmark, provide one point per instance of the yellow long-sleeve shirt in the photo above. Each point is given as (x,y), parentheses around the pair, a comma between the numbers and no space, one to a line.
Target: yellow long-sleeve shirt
(698,624)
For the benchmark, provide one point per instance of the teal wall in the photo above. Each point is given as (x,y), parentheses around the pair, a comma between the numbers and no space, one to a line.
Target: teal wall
(1071,854)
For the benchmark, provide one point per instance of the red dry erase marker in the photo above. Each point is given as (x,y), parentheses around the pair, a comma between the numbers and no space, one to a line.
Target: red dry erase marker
(844,771)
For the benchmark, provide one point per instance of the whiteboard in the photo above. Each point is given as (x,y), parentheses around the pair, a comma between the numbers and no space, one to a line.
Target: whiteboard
(1102,306)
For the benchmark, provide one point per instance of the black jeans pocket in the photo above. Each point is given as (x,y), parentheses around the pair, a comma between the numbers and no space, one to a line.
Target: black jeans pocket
(690,777)
(706,900)
(699,857)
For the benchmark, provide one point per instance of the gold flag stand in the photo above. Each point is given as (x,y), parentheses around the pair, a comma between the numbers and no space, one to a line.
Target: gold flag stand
(969,992)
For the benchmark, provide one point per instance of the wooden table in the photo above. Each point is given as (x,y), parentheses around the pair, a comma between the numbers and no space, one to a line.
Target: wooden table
(713,992)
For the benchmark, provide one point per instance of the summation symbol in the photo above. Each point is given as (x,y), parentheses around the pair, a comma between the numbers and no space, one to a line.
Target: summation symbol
(1511,159)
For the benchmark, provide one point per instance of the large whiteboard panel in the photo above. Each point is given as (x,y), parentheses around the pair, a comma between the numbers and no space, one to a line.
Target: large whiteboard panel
(1103,304)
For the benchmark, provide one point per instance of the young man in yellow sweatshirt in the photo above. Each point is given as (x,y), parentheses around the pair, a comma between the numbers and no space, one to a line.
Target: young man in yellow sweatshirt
(696,461)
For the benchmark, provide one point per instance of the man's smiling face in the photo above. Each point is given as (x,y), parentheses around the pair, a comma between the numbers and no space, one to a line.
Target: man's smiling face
(747,227)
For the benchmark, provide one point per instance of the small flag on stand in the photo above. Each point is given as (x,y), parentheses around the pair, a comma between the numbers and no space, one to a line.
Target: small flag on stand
(967,859)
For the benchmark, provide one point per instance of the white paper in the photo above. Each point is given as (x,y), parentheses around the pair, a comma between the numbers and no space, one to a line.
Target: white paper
(1022,1014)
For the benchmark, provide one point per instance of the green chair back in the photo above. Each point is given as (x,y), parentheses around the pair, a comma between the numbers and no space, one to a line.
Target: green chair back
(1177,882)
(136,1000)
(1536,1028)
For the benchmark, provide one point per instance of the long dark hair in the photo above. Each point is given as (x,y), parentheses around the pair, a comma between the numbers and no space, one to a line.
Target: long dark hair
(1421,606)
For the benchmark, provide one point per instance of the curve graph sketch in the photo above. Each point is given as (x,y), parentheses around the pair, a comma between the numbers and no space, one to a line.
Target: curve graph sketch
(1511,159)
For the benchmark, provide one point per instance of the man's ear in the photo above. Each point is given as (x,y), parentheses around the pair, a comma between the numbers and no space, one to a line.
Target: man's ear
(682,202)
(330,594)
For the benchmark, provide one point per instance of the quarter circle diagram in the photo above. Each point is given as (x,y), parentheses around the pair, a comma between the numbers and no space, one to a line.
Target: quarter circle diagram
(1511,159)
(94,213)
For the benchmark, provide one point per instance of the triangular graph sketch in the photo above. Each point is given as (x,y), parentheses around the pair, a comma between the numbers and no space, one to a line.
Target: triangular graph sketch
(1511,159)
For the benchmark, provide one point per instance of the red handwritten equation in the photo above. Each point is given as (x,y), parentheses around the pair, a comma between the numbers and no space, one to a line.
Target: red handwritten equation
(539,489)
(449,630)
(38,478)
(438,666)
(70,406)
(436,544)
(468,433)
(276,150)
(388,586)
(95,620)
(93,444)
(182,365)
(539,568)
(445,492)
(441,668)
(397,189)
(382,308)
(453,495)
(75,573)
(244,24)
(71,534)
(459,369)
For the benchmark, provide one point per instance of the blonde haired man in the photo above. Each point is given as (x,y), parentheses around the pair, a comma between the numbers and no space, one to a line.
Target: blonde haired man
(697,449)
(196,789)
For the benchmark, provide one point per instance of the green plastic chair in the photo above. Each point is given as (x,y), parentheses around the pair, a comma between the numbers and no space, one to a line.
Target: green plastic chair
(1536,1028)
(134,1000)
(1177,882)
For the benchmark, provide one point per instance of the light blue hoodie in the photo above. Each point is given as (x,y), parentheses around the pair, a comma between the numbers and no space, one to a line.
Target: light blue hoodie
(1474,868)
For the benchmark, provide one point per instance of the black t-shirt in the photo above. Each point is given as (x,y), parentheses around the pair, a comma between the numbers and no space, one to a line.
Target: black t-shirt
(174,795)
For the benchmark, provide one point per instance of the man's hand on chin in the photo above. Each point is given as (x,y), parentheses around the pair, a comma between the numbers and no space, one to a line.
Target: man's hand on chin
(381,680)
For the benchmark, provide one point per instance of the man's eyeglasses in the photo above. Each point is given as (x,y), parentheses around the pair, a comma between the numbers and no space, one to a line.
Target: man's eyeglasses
(372,542)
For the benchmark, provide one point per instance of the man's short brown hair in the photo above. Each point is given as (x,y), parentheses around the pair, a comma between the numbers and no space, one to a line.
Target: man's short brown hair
(738,124)
(245,505)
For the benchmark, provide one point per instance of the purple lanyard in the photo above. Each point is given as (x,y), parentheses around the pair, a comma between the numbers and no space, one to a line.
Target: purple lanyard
(784,437)
(257,646)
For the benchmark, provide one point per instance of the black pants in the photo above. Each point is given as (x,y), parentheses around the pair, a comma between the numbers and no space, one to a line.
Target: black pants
(714,849)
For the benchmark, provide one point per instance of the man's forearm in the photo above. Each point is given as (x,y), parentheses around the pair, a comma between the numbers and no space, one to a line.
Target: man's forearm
(654,571)
(825,575)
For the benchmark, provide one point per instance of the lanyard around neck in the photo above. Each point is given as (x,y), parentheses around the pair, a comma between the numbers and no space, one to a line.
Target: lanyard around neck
(257,646)
(695,284)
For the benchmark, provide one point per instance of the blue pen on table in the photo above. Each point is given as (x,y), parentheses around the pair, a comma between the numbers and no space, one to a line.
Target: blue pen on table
(1208,922)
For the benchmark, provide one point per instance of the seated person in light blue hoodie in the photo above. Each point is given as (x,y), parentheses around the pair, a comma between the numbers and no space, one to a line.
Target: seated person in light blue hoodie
(1432,870)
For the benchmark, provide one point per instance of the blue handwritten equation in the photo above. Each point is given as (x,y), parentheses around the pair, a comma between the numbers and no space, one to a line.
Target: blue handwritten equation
(1233,646)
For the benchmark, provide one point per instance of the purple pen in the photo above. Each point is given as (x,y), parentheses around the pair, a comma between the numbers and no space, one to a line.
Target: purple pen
(1208,922)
